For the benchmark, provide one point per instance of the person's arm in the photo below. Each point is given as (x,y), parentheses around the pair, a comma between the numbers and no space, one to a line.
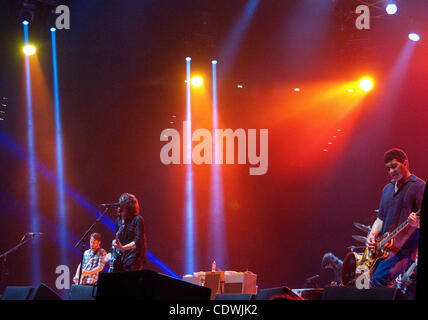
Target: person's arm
(76,276)
(375,230)
(138,237)
(128,246)
(99,267)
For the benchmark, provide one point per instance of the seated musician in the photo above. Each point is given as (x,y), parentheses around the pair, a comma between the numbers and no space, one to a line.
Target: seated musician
(93,262)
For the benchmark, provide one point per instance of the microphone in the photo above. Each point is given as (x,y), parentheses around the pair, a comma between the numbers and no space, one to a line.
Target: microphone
(116,204)
(312,278)
(33,234)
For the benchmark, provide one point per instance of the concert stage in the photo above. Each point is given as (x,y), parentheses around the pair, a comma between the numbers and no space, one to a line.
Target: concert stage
(213,150)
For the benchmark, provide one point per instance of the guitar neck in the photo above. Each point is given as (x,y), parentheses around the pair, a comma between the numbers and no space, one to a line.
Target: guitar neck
(397,230)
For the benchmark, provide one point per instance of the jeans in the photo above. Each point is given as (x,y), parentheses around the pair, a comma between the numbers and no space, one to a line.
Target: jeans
(390,268)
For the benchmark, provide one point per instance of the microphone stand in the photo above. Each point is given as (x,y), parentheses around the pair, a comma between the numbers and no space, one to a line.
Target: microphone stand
(82,240)
(3,256)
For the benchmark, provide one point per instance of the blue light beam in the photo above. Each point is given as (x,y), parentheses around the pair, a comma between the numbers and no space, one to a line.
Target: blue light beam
(59,151)
(32,175)
(187,152)
(217,236)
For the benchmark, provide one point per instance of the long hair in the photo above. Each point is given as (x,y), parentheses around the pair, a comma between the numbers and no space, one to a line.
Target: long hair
(130,202)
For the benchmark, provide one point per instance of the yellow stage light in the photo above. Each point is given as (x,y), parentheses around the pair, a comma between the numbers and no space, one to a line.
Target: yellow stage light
(366,84)
(197,81)
(29,50)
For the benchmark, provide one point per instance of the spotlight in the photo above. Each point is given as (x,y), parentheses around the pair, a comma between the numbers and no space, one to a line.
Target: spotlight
(414,37)
(197,81)
(188,59)
(366,84)
(26,14)
(53,29)
(214,62)
(29,50)
(391,8)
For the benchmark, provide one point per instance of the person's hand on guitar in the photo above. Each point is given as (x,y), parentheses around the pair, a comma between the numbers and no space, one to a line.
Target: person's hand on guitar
(414,220)
(371,241)
(117,245)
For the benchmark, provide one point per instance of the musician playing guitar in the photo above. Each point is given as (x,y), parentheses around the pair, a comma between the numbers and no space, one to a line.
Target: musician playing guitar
(93,262)
(400,200)
(131,238)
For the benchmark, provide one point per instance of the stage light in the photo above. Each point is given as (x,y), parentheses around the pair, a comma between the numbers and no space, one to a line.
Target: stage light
(391,8)
(350,90)
(53,29)
(187,158)
(366,84)
(214,62)
(29,50)
(296,89)
(414,37)
(197,81)
(26,13)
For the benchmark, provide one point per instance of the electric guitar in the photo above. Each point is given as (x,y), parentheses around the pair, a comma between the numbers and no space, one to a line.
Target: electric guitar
(383,247)
(116,252)
(83,278)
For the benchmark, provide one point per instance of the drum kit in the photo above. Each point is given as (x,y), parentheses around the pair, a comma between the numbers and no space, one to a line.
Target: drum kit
(349,270)
(352,258)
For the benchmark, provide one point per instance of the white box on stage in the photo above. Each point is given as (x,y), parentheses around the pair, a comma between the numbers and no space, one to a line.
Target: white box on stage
(195,278)
(225,281)
(240,282)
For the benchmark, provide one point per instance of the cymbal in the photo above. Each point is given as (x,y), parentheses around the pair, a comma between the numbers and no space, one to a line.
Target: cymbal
(362,227)
(360,239)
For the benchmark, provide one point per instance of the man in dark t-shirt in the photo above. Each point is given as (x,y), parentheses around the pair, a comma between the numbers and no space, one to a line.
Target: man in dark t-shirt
(131,240)
(400,200)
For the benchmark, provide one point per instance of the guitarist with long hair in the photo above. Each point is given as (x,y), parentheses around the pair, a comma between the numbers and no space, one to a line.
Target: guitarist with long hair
(400,201)
(130,242)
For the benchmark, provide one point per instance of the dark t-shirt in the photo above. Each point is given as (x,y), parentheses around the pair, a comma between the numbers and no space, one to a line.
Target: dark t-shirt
(395,208)
(134,230)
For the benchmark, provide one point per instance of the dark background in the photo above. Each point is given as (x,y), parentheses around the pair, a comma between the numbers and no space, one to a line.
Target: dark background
(121,78)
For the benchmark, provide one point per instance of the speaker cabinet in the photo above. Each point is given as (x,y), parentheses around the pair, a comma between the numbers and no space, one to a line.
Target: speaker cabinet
(17,293)
(277,293)
(351,293)
(78,292)
(147,285)
(234,296)
(41,292)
